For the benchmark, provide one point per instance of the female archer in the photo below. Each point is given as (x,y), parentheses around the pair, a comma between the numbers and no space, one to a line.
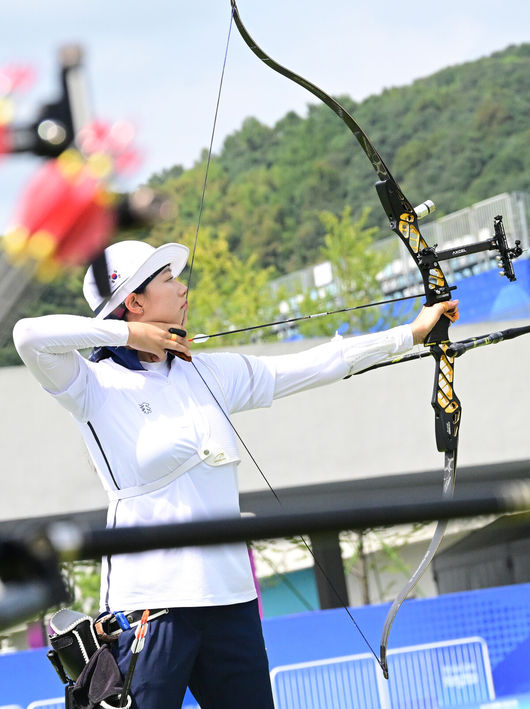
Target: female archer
(156,424)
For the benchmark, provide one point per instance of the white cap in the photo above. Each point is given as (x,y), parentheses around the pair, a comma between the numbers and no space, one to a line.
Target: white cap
(129,264)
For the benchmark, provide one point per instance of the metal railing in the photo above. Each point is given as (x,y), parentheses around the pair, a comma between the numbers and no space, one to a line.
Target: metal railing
(432,676)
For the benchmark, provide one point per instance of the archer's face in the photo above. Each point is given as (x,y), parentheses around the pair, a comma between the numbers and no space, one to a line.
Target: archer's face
(164,299)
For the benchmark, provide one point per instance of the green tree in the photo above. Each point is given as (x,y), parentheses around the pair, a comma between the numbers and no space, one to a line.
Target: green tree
(226,292)
(349,247)
(83,580)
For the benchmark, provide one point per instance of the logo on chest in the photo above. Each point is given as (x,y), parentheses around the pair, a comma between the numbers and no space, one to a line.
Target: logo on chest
(146,407)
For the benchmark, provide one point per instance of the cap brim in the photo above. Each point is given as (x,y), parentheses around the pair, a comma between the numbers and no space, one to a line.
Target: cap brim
(176,255)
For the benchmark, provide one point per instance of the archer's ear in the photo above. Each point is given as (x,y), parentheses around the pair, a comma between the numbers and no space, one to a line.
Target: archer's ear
(134,303)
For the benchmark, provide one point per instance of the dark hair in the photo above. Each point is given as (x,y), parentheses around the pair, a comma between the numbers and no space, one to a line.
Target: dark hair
(143,286)
(120,310)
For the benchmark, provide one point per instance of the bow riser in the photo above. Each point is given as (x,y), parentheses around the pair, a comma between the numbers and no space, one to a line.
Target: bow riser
(404,222)
(446,404)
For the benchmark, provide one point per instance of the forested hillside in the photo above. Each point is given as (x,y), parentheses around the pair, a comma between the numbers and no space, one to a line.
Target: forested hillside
(456,137)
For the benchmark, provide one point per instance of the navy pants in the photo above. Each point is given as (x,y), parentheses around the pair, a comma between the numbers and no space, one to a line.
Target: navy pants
(218,652)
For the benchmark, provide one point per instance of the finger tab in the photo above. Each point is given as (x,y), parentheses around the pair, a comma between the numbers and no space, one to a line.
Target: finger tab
(177,331)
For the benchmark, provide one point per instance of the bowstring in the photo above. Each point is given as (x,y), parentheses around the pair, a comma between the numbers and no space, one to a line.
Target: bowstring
(236,432)
(209,157)
(278,500)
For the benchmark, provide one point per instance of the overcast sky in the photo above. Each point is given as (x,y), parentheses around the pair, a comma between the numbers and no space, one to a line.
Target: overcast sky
(158,63)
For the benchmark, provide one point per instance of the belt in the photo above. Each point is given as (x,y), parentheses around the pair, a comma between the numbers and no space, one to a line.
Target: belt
(110,626)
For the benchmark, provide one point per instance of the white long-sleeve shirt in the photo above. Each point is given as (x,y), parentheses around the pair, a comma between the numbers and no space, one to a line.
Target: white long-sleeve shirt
(140,426)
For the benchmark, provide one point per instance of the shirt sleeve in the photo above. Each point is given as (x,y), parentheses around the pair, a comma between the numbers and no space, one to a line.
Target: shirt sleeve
(250,382)
(48,347)
(245,381)
(335,360)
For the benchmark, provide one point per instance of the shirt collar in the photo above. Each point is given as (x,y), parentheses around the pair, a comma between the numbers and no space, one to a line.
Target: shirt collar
(121,355)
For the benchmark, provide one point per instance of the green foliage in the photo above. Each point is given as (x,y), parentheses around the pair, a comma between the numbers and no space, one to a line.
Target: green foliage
(348,246)
(64,295)
(461,135)
(226,292)
(385,558)
(83,580)
(160,178)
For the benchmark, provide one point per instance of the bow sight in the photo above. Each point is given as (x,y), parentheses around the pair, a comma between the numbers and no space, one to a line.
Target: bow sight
(403,220)
(429,257)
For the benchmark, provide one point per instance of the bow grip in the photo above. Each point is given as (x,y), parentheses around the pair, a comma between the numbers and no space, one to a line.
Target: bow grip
(439,333)
(446,404)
